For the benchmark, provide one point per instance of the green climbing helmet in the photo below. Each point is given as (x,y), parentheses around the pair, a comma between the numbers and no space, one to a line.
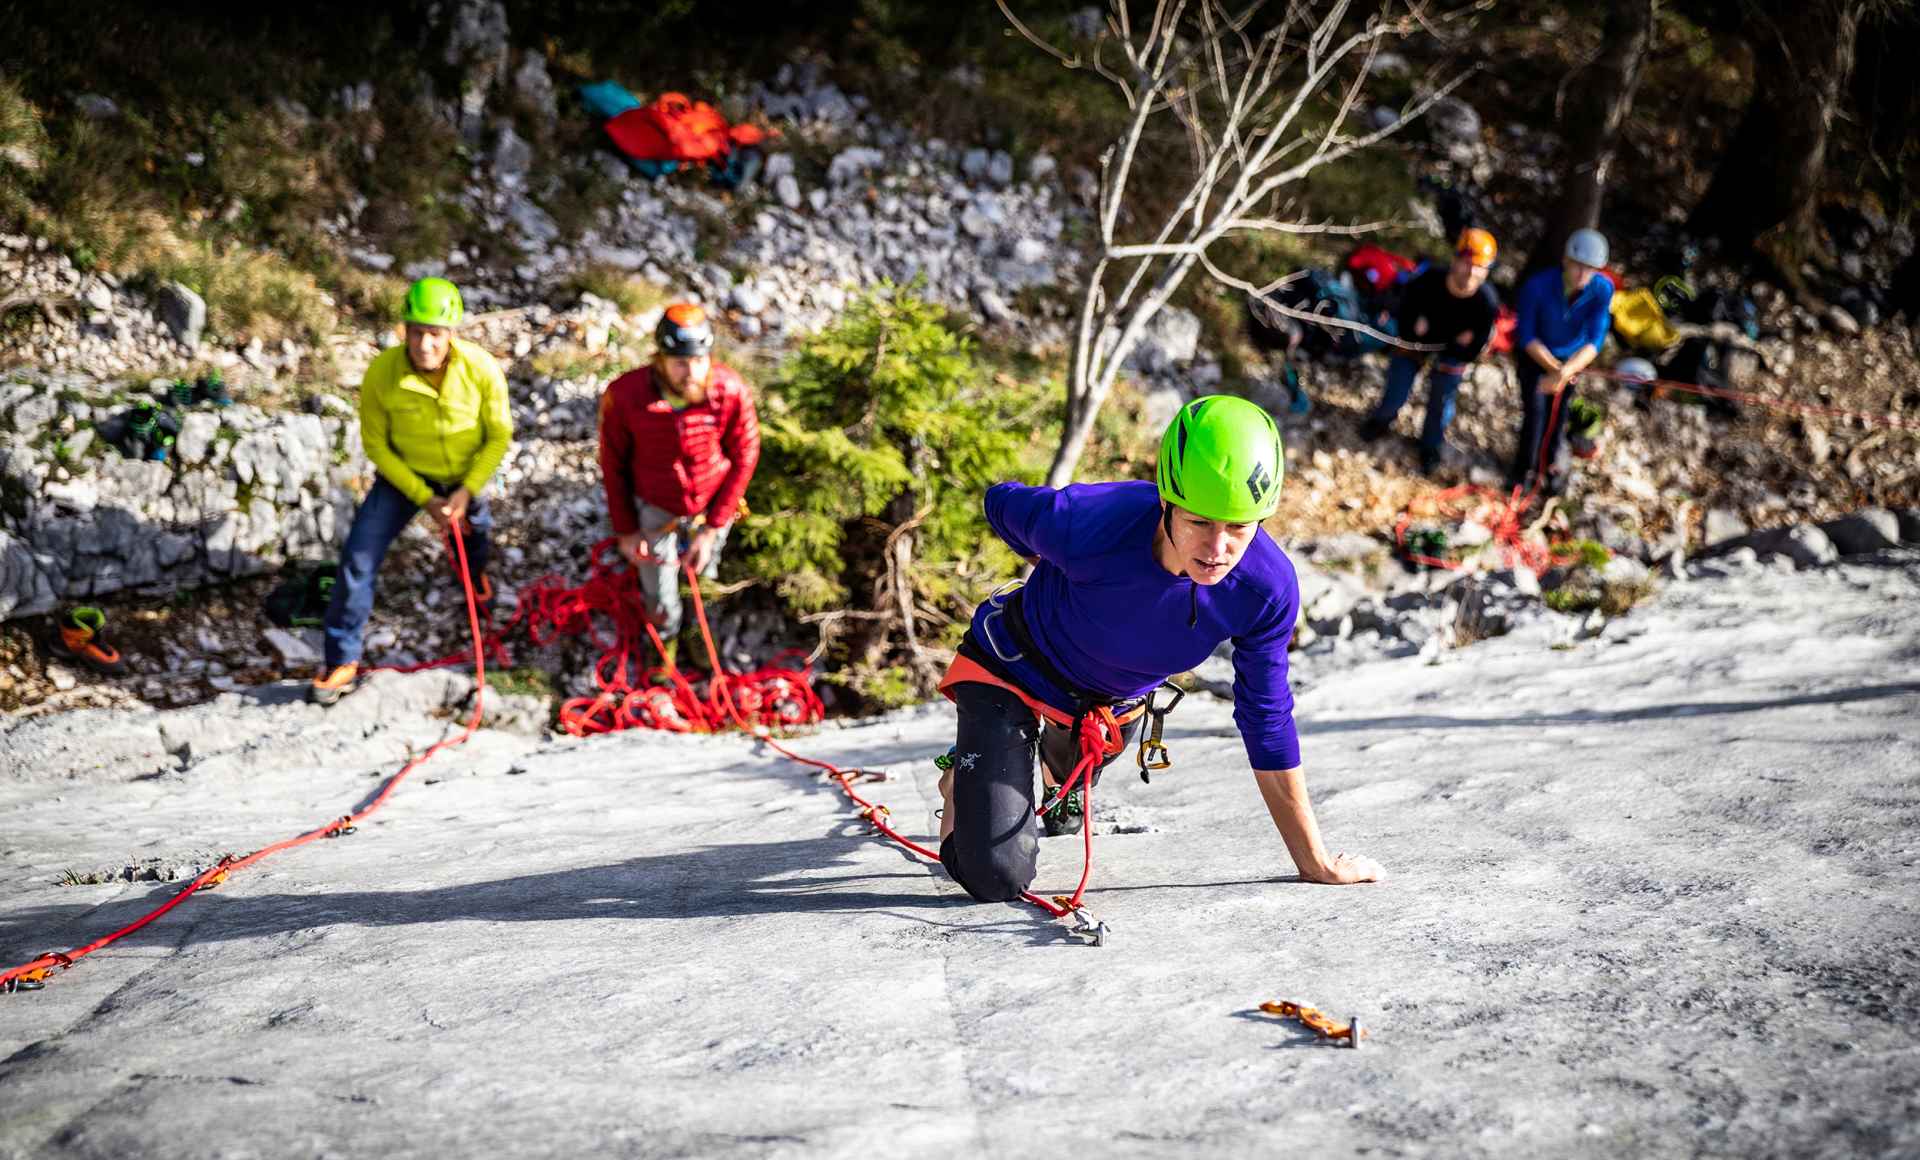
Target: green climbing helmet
(434,302)
(1220,459)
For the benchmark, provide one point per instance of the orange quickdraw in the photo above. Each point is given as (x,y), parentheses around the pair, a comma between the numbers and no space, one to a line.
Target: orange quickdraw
(1317,1021)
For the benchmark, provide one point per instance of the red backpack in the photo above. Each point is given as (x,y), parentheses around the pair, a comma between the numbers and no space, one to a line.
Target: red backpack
(678,128)
(1376,269)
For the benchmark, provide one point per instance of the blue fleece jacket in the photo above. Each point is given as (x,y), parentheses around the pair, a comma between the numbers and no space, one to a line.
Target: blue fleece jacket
(1544,312)
(1113,621)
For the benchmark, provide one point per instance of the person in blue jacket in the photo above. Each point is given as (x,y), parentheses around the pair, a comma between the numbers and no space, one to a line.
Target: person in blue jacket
(1561,324)
(1132,582)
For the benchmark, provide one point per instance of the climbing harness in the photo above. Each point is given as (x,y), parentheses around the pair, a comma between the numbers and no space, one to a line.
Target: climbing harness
(33,974)
(1317,1021)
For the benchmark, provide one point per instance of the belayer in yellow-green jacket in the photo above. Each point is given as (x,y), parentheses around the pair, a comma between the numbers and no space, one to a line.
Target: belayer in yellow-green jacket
(435,422)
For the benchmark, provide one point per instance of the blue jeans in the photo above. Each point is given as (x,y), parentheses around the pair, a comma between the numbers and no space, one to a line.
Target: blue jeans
(1535,406)
(1443,383)
(382,516)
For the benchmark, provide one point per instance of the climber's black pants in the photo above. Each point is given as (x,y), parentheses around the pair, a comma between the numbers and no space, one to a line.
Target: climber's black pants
(993,851)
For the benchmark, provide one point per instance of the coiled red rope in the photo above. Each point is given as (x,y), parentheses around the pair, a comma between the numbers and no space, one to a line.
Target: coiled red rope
(1503,513)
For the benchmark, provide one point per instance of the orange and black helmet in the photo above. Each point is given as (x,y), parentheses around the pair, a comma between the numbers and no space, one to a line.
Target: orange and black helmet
(684,331)
(1479,245)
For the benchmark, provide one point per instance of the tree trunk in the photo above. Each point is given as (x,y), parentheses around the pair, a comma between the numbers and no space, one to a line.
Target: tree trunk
(1081,416)
(1597,110)
(1762,196)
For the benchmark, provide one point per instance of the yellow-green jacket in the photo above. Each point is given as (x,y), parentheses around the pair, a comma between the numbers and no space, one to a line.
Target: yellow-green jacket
(413,434)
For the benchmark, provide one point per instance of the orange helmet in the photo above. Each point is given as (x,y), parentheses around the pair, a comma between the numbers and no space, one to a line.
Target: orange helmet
(684,331)
(1479,244)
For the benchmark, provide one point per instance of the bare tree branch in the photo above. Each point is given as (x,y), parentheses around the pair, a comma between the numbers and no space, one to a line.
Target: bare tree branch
(1238,98)
(1036,40)
(1278,307)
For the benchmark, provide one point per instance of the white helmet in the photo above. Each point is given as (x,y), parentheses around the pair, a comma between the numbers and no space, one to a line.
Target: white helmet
(1587,247)
(1635,371)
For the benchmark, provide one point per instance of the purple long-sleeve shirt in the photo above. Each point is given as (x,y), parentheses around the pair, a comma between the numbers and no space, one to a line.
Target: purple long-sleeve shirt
(1115,622)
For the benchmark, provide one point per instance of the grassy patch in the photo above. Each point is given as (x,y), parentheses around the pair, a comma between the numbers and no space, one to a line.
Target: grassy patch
(633,295)
(1618,599)
(522,682)
(250,293)
(568,363)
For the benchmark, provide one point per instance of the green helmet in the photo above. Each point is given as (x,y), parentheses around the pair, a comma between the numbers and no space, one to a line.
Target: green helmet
(434,302)
(1221,459)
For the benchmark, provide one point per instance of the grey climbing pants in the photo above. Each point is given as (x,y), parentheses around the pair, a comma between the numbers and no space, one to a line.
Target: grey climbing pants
(660,574)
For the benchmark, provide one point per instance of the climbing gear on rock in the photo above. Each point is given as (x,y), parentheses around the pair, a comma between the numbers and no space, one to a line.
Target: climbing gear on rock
(181,392)
(142,431)
(1221,459)
(1317,1021)
(434,302)
(334,684)
(684,331)
(82,638)
(300,600)
(212,388)
(1587,247)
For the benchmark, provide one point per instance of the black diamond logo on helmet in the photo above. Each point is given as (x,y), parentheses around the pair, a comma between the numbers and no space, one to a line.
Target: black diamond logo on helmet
(1260,482)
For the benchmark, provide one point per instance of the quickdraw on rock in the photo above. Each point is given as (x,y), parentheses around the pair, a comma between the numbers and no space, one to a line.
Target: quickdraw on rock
(1317,1021)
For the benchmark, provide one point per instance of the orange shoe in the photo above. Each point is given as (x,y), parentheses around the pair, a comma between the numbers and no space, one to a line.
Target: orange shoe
(83,638)
(329,687)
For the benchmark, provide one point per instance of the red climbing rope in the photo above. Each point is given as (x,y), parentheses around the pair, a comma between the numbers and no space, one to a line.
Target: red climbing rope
(1503,513)
(1098,742)
(1765,402)
(33,974)
(633,694)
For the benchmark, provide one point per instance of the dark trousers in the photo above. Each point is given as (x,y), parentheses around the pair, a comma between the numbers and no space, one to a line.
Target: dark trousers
(1535,406)
(1443,383)
(382,516)
(993,851)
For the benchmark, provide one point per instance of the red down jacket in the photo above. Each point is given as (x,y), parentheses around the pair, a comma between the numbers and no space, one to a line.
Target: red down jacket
(695,460)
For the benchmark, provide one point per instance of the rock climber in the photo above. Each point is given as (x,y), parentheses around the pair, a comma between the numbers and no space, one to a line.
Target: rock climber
(679,439)
(1452,304)
(1562,320)
(435,421)
(1132,582)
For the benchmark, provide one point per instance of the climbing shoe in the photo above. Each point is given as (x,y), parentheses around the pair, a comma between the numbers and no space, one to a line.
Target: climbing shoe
(330,686)
(182,393)
(1066,816)
(83,638)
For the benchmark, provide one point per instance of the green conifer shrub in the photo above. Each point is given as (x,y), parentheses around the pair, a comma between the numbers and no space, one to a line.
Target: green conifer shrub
(885,431)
